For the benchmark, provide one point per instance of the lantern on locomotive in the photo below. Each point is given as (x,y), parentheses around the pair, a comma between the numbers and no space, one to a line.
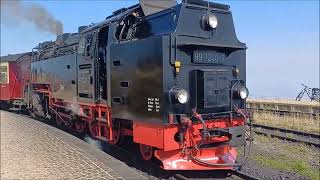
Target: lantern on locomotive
(171,76)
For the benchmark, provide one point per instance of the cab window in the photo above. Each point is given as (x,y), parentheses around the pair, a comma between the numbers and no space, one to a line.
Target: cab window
(82,45)
(90,44)
(87,45)
(4,74)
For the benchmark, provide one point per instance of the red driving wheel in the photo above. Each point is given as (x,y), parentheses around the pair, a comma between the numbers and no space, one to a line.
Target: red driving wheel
(58,120)
(146,152)
(116,132)
(94,129)
(80,126)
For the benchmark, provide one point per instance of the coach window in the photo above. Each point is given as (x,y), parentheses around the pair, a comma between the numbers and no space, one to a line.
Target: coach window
(4,74)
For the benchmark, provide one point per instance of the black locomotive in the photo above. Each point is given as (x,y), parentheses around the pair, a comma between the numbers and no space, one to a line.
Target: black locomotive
(170,75)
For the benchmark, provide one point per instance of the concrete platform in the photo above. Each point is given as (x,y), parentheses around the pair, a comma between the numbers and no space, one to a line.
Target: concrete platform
(31,149)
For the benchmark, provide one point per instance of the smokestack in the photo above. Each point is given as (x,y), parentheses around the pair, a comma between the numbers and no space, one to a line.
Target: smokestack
(34,13)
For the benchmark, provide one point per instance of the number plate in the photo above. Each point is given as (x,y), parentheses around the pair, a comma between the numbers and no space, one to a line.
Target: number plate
(208,57)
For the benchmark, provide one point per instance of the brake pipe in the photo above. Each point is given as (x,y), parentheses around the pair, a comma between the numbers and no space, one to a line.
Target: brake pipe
(250,139)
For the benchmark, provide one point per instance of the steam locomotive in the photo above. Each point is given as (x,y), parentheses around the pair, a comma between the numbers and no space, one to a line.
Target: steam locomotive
(170,75)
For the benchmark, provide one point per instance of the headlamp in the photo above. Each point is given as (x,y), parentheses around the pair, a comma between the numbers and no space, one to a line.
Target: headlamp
(179,95)
(241,92)
(210,21)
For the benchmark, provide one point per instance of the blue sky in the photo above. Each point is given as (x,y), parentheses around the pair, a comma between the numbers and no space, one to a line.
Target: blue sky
(282,38)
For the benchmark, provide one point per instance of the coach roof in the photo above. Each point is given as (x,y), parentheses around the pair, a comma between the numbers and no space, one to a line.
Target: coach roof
(13,57)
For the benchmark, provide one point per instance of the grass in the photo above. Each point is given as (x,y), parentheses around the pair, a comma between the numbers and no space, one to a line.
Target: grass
(287,164)
(277,154)
(302,123)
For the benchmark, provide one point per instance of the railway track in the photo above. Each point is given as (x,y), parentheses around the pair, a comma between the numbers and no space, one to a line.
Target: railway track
(288,134)
(178,175)
(152,169)
(245,175)
(233,173)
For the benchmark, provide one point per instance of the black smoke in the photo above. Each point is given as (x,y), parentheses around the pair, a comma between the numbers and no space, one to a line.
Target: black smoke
(33,13)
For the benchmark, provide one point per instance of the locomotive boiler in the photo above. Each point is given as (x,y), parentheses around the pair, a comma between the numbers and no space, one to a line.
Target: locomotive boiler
(172,76)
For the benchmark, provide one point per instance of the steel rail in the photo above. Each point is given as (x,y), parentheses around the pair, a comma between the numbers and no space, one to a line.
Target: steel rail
(285,130)
(240,174)
(287,112)
(273,133)
(244,175)
(180,177)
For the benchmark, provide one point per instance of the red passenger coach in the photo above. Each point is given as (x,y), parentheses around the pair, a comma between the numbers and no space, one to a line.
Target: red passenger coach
(15,74)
